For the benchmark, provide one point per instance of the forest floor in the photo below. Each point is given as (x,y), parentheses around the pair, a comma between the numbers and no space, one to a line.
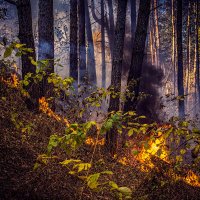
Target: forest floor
(24,137)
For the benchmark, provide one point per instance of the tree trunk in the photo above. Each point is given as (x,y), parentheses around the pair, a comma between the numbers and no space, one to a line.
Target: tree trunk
(91,66)
(111,136)
(111,26)
(133,18)
(103,55)
(188,52)
(138,54)
(46,41)
(82,44)
(173,44)
(197,49)
(26,37)
(157,37)
(73,42)
(181,106)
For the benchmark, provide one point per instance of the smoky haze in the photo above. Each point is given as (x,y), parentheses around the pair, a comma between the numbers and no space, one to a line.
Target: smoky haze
(151,81)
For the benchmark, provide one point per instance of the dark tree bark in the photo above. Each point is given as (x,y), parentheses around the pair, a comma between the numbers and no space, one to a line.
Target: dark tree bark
(73,40)
(26,34)
(91,66)
(197,49)
(26,37)
(138,54)
(103,55)
(46,41)
(82,44)
(133,18)
(181,106)
(111,136)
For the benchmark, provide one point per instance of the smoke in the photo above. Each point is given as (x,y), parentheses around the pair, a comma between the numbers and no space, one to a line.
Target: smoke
(150,103)
(46,50)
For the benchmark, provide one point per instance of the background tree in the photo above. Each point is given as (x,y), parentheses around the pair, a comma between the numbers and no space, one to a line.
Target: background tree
(26,37)
(103,50)
(82,41)
(46,40)
(138,54)
(91,66)
(181,106)
(73,40)
(111,136)
(197,48)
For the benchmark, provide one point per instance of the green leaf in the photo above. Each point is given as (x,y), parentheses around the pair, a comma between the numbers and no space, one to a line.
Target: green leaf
(107,172)
(66,162)
(113,185)
(53,142)
(18,45)
(125,190)
(182,151)
(195,130)
(92,181)
(8,52)
(33,62)
(135,152)
(36,166)
(18,54)
(82,166)
(132,131)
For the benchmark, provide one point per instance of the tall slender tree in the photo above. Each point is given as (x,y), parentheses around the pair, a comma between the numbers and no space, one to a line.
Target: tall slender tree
(133,19)
(73,40)
(181,106)
(197,49)
(137,54)
(26,37)
(91,66)
(173,43)
(111,136)
(103,52)
(82,41)
(188,51)
(46,41)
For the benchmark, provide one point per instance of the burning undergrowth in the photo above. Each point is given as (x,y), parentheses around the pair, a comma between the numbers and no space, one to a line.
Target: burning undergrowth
(145,167)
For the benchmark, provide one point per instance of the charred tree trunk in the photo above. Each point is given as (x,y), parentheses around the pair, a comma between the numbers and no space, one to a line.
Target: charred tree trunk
(82,44)
(111,136)
(73,72)
(46,41)
(181,106)
(138,54)
(91,66)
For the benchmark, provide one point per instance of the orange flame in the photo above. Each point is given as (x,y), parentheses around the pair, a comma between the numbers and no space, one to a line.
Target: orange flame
(44,107)
(92,142)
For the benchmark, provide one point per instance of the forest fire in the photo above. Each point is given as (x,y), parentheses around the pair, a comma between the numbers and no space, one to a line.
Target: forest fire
(12,81)
(158,149)
(44,107)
